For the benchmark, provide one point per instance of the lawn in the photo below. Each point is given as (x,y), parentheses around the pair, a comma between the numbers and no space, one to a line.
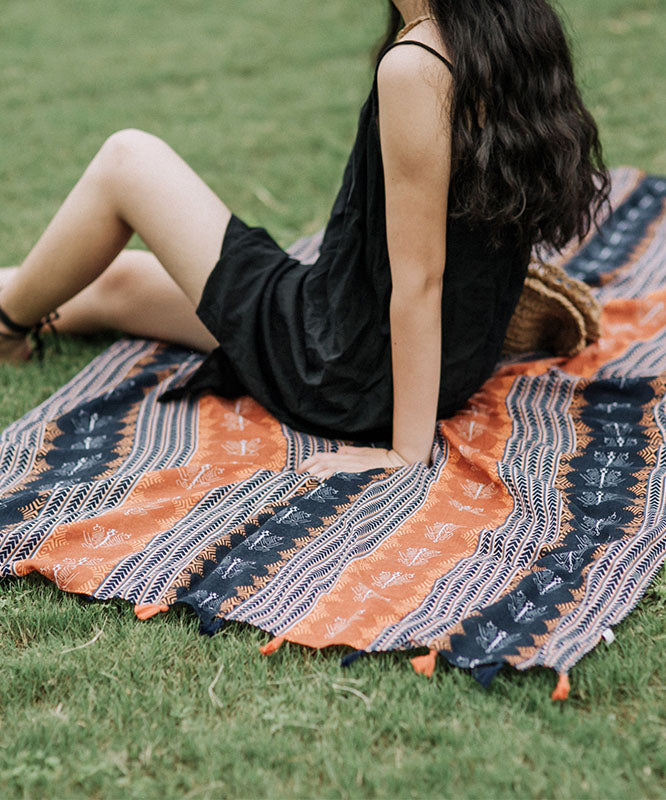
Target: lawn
(261,97)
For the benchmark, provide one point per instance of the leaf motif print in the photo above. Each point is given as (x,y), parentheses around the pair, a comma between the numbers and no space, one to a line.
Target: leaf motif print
(602,477)
(547,581)
(243,447)
(617,435)
(597,498)
(90,443)
(611,458)
(84,421)
(386,579)
(67,569)
(264,542)
(610,408)
(209,601)
(234,420)
(228,569)
(468,451)
(441,531)
(469,429)
(206,474)
(361,593)
(103,537)
(293,517)
(478,491)
(470,509)
(415,556)
(135,511)
(491,638)
(84,463)
(569,561)
(123,388)
(323,494)
(523,610)
(145,508)
(595,526)
(585,542)
(340,623)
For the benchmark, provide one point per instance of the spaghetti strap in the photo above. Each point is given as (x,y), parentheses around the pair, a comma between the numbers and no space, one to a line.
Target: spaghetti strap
(418,44)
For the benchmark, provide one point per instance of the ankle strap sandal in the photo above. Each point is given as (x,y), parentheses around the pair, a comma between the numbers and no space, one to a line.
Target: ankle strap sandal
(34,331)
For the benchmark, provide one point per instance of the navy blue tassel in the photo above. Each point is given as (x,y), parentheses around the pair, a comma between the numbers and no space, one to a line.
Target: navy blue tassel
(348,660)
(212,627)
(485,673)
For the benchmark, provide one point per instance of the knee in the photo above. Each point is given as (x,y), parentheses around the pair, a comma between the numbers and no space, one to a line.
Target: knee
(123,151)
(128,143)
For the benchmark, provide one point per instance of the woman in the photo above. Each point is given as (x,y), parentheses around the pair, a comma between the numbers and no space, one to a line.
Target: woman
(473,146)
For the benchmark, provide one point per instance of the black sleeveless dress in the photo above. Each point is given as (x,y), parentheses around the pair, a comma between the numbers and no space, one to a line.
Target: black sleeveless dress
(311,342)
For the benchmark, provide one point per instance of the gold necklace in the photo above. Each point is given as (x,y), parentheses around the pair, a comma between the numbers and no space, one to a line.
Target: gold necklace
(411,25)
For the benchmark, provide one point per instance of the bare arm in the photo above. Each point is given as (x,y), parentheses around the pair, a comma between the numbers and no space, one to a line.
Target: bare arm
(416,153)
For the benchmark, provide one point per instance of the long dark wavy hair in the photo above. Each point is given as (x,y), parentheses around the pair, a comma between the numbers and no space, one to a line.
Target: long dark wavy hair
(526,151)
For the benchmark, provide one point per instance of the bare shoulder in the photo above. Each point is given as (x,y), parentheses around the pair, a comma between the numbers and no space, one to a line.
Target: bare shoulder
(414,88)
(410,66)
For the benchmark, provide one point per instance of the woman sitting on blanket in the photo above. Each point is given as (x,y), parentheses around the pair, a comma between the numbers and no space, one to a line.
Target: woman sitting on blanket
(473,147)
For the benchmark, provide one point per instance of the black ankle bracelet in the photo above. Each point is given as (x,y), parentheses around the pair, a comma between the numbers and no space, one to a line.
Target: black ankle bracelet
(14,326)
(34,330)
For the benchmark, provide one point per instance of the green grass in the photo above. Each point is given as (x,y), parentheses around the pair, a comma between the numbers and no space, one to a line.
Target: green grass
(261,97)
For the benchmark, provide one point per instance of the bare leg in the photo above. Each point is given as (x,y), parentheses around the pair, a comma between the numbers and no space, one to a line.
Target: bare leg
(135,183)
(136,295)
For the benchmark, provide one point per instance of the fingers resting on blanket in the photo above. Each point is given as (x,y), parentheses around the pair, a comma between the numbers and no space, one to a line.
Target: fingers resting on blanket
(351,459)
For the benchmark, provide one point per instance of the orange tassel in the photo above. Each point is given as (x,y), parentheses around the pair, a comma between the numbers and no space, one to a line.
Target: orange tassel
(272,646)
(148,610)
(425,665)
(561,691)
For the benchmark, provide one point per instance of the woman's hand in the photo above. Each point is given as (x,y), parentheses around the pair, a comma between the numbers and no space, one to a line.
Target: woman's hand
(350,459)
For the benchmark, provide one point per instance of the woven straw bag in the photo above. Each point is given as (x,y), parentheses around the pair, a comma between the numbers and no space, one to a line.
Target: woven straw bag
(555,313)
